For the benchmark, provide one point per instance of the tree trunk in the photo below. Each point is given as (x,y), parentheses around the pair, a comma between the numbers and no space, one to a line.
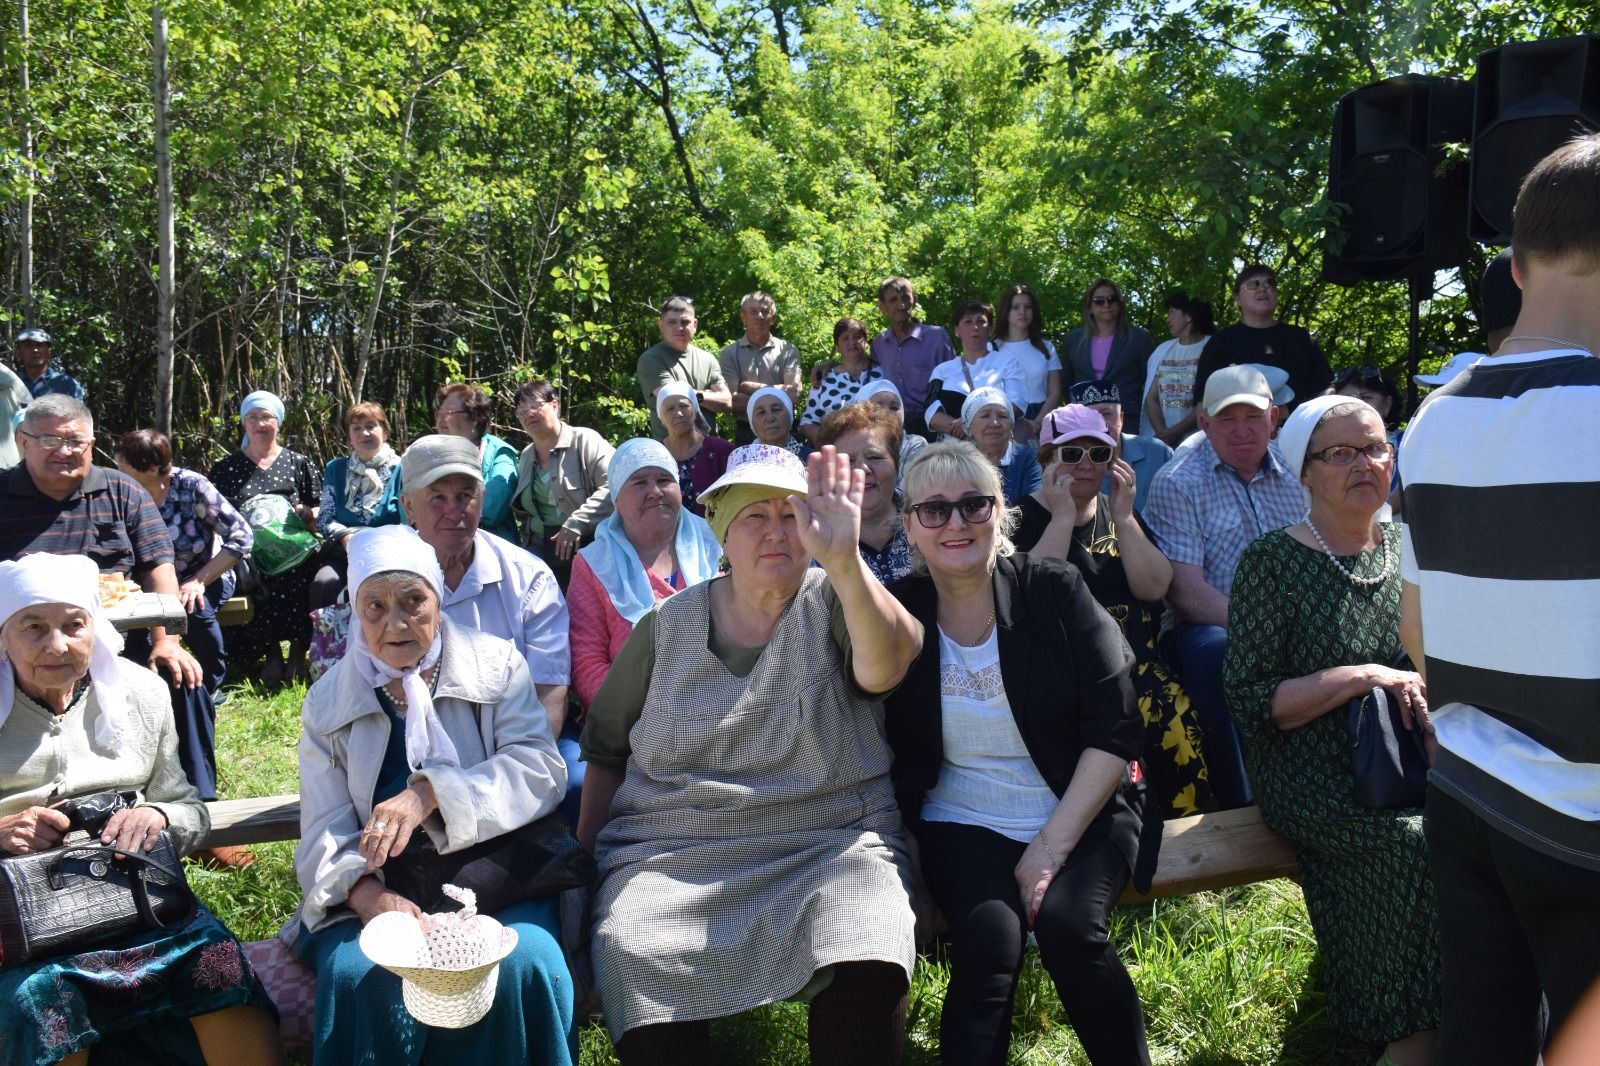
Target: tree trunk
(364,349)
(25,252)
(164,228)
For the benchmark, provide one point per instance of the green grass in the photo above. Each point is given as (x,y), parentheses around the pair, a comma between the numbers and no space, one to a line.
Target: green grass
(1227,978)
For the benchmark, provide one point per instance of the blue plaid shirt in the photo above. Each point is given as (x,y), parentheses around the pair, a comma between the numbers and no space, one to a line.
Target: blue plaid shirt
(1203,514)
(54,381)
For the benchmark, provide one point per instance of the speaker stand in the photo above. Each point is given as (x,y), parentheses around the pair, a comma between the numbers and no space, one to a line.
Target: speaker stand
(1420,283)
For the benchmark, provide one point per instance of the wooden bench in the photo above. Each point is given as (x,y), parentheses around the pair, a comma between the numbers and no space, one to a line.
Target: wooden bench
(1199,852)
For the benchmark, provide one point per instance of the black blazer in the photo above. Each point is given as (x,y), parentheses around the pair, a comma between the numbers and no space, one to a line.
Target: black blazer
(1068,677)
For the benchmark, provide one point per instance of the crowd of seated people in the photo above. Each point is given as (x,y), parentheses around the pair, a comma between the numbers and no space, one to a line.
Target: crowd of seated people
(932,649)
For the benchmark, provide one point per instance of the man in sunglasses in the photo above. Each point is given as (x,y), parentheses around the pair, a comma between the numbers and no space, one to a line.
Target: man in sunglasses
(1205,508)
(1145,454)
(1258,337)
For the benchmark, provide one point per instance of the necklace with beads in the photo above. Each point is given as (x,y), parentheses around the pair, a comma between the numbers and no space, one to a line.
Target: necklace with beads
(1345,570)
(1550,340)
(430,677)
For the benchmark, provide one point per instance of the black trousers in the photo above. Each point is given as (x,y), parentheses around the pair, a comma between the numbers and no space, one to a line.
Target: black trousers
(969,872)
(1513,923)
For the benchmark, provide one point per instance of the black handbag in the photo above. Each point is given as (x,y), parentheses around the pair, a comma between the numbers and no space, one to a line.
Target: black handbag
(542,858)
(1389,761)
(82,894)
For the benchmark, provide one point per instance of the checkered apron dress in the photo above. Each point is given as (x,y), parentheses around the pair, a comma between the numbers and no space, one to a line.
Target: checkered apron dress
(755,838)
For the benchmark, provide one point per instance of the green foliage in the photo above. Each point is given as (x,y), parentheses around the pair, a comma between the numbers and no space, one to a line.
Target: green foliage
(403,193)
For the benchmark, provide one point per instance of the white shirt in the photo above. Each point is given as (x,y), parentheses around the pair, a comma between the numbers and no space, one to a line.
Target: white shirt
(999,370)
(510,593)
(987,778)
(1171,373)
(1036,367)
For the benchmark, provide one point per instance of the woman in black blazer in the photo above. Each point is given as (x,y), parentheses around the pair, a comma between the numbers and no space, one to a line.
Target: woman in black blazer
(1015,738)
(1125,347)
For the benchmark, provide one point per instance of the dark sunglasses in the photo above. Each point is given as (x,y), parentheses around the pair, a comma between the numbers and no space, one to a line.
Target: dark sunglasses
(935,514)
(1106,301)
(1366,375)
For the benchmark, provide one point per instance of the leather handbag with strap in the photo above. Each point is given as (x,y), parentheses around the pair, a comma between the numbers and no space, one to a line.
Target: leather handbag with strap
(85,893)
(541,858)
(1389,761)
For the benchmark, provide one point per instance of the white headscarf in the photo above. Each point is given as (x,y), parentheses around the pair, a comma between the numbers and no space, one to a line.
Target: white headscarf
(1295,436)
(978,399)
(73,580)
(378,550)
(771,390)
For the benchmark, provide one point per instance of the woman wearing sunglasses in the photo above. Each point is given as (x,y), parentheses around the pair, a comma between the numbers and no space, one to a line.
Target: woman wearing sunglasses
(1015,734)
(1101,534)
(1108,347)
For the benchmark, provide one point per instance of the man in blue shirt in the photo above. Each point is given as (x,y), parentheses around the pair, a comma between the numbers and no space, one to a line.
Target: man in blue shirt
(1145,454)
(42,379)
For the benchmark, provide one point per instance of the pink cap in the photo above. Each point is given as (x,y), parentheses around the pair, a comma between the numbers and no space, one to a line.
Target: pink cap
(1074,421)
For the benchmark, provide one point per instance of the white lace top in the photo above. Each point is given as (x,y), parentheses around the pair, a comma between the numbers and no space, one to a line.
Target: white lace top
(987,777)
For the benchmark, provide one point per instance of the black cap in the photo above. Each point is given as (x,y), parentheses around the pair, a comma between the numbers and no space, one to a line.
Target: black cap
(1502,300)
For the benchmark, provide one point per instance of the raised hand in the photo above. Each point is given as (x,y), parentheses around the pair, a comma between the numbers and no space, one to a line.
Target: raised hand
(1123,486)
(830,516)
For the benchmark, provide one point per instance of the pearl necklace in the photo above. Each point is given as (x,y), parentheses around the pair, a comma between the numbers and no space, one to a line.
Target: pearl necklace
(1552,340)
(1382,574)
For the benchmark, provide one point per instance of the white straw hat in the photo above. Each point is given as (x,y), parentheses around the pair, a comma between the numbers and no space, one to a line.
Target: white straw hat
(448,986)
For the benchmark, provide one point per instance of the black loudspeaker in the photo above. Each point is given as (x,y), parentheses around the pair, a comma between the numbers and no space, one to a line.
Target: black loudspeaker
(1406,216)
(1531,99)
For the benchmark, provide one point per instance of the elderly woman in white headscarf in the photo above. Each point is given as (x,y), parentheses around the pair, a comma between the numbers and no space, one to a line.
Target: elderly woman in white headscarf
(772,420)
(76,719)
(701,456)
(648,548)
(986,415)
(1313,622)
(884,393)
(425,733)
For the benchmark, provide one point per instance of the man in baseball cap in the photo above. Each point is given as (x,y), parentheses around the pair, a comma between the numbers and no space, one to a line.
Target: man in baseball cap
(1205,508)
(33,356)
(491,584)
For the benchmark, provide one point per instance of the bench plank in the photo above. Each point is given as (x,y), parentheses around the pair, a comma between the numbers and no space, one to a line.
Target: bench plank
(1217,850)
(253,821)
(1199,852)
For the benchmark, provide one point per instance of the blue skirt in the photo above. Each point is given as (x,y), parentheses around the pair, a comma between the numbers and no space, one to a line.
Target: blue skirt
(134,996)
(361,1019)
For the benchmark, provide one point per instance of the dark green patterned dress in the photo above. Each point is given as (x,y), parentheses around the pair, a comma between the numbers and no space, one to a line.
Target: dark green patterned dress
(1364,871)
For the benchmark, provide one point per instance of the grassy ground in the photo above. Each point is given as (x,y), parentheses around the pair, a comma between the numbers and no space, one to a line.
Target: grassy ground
(1227,978)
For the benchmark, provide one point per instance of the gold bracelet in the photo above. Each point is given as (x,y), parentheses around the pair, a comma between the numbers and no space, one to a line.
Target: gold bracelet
(1048,850)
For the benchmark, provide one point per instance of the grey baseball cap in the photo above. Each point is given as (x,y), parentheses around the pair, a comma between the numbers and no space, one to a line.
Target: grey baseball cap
(439,455)
(34,335)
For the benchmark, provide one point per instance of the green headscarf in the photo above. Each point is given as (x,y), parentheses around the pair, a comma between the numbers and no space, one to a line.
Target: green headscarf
(721,512)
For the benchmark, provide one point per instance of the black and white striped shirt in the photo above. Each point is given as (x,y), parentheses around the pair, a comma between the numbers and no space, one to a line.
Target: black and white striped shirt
(1502,475)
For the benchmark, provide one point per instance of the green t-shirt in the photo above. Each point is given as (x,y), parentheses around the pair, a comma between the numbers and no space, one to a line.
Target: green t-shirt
(663,363)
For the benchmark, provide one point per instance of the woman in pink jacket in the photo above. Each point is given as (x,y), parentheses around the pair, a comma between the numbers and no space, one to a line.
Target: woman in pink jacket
(649,548)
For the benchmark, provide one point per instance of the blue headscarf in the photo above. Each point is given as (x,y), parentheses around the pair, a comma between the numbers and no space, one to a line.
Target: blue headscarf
(611,556)
(260,398)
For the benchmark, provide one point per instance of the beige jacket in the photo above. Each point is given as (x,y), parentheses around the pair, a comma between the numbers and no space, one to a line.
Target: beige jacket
(510,772)
(577,473)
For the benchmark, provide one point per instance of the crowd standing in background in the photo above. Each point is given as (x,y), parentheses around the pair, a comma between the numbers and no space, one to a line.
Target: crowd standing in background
(939,642)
